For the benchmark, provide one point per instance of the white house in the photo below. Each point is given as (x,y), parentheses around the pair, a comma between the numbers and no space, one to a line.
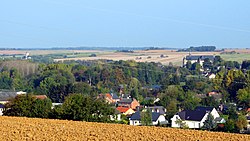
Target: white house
(193,118)
(1,109)
(157,118)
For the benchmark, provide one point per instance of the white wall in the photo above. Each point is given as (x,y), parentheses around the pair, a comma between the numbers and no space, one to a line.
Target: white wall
(134,122)
(215,113)
(173,121)
(1,111)
(161,120)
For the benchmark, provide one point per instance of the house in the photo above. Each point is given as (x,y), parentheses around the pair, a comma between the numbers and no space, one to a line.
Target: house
(194,118)
(210,110)
(157,118)
(158,109)
(6,95)
(1,109)
(125,110)
(220,120)
(248,122)
(197,58)
(128,102)
(111,98)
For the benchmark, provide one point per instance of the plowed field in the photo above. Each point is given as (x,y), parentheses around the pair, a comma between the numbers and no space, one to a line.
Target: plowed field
(13,128)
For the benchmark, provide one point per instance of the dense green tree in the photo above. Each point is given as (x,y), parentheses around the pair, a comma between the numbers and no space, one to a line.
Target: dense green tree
(84,108)
(243,96)
(28,106)
(146,118)
(209,123)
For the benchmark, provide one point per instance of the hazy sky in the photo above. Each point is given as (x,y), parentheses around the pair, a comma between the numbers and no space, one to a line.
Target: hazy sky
(163,23)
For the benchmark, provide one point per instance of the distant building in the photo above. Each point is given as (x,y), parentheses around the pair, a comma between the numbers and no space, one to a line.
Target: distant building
(195,118)
(128,102)
(197,58)
(157,118)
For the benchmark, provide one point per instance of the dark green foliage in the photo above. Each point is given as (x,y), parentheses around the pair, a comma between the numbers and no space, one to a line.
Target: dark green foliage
(209,123)
(146,118)
(198,49)
(84,108)
(28,106)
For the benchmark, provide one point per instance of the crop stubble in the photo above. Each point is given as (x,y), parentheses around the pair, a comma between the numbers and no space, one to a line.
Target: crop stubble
(16,128)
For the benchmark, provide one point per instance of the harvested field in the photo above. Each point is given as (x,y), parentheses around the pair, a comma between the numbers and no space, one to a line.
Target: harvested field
(15,128)
(144,56)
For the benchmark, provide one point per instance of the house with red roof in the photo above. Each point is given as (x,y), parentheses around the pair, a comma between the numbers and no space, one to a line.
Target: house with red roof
(125,110)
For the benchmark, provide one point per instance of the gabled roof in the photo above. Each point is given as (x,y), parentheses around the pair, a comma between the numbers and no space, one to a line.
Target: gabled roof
(137,116)
(160,109)
(114,96)
(126,100)
(206,109)
(192,115)
(108,96)
(248,117)
(41,97)
(5,96)
(122,109)
(2,105)
(219,120)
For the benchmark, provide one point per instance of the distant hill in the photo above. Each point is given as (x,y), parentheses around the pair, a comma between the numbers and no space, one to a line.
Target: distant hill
(198,49)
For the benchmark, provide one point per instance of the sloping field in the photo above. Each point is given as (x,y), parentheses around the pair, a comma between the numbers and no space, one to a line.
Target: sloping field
(14,128)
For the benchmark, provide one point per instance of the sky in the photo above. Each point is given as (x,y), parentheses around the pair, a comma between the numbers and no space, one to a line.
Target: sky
(124,23)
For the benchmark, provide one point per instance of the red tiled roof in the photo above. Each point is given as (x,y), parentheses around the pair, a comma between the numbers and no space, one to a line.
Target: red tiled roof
(42,97)
(122,109)
(248,110)
(108,96)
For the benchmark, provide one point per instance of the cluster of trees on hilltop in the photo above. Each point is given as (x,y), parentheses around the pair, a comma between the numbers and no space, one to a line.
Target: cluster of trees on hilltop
(198,49)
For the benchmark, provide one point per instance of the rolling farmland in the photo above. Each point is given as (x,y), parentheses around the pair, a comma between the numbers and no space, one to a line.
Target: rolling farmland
(19,128)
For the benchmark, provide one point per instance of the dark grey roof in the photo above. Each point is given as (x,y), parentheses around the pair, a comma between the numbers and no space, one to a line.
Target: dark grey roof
(1,105)
(137,116)
(5,96)
(114,96)
(202,57)
(192,115)
(218,119)
(248,117)
(206,109)
(161,109)
(125,100)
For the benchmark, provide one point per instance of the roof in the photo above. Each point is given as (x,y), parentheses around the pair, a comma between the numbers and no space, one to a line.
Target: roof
(126,100)
(206,109)
(248,117)
(122,109)
(218,119)
(41,97)
(2,105)
(114,96)
(192,115)
(248,109)
(5,96)
(108,96)
(137,116)
(202,57)
(160,109)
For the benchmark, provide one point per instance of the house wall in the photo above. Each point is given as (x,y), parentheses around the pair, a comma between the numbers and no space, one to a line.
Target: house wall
(134,122)
(190,124)
(1,111)
(134,104)
(129,112)
(161,120)
(173,121)
(215,113)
